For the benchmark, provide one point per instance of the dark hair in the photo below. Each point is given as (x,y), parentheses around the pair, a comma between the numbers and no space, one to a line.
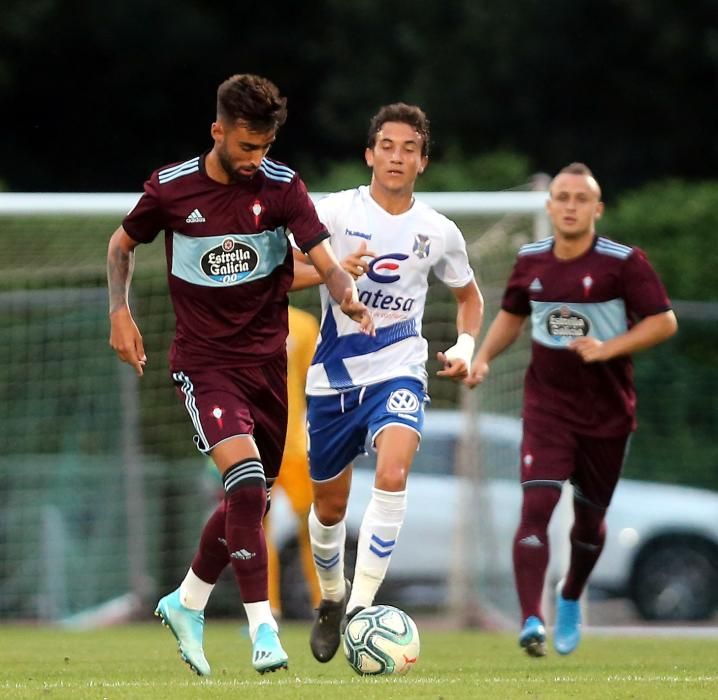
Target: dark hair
(405,114)
(251,99)
(577,169)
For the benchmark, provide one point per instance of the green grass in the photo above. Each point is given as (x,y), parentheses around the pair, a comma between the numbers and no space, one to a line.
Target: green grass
(140,661)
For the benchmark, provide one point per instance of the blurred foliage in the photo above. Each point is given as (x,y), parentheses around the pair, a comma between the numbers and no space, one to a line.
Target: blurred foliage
(675,223)
(500,170)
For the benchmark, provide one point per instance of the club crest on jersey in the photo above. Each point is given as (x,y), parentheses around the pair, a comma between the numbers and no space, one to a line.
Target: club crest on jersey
(587,283)
(381,269)
(564,322)
(402,401)
(422,246)
(230,262)
(256,210)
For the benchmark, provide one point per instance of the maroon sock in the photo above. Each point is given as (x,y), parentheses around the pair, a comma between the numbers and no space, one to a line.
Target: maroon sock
(531,547)
(212,555)
(245,540)
(587,538)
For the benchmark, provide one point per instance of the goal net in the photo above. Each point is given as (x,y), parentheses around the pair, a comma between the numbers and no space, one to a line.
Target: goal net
(103,492)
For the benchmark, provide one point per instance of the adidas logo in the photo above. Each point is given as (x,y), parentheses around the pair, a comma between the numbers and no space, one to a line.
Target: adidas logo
(195,217)
(535,286)
(261,654)
(242,554)
(530,541)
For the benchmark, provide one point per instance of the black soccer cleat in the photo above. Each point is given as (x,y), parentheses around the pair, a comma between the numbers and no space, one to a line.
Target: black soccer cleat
(349,616)
(326,634)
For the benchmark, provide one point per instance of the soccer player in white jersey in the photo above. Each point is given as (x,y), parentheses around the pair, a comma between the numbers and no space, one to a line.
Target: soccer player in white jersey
(359,386)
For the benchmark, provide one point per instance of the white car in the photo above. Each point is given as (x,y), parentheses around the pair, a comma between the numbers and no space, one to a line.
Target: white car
(661,548)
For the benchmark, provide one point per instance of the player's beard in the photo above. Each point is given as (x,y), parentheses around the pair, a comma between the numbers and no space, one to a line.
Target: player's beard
(234,175)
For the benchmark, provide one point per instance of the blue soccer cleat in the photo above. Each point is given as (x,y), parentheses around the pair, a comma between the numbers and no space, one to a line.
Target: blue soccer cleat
(188,628)
(567,633)
(533,637)
(267,652)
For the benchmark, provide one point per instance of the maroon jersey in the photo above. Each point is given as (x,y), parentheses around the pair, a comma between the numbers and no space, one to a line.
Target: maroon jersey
(599,294)
(229,262)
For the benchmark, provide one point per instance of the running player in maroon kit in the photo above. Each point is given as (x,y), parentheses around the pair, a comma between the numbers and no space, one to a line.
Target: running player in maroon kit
(225,216)
(592,302)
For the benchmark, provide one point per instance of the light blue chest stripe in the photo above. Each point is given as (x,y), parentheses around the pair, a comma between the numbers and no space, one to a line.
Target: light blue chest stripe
(187,253)
(606,319)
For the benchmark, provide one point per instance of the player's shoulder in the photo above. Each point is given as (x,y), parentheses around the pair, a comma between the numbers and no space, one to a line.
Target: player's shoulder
(276,172)
(433,221)
(341,197)
(333,203)
(614,249)
(540,247)
(175,172)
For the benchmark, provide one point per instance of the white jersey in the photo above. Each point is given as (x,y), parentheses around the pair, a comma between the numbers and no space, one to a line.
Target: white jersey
(394,289)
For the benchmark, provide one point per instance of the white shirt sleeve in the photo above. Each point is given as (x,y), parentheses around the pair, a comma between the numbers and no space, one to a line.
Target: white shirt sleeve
(453,268)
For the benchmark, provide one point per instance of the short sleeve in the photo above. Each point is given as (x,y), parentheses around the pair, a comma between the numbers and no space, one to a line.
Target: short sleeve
(147,218)
(516,299)
(644,293)
(302,217)
(453,268)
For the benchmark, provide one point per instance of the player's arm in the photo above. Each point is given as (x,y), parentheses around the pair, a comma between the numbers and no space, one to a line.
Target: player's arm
(469,315)
(340,285)
(125,338)
(648,332)
(306,275)
(502,333)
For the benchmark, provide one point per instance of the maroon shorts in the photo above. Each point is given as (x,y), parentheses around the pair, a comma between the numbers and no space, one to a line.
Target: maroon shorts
(592,464)
(225,403)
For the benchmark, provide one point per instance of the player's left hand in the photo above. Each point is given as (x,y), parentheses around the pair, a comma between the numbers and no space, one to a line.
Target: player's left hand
(453,368)
(590,349)
(355,264)
(457,359)
(358,312)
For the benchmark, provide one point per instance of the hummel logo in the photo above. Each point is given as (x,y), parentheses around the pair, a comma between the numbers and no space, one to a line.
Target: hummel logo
(195,217)
(242,554)
(530,541)
(536,285)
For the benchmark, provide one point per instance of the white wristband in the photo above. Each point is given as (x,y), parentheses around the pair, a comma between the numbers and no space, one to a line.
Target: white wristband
(462,350)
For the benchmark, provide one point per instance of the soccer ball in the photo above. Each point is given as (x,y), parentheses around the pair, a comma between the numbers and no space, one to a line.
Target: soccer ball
(381,640)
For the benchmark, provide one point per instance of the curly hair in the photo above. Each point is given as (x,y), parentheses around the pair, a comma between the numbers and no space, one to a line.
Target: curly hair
(253,100)
(405,114)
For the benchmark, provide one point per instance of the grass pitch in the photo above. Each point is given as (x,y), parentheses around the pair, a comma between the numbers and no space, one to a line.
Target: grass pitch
(140,661)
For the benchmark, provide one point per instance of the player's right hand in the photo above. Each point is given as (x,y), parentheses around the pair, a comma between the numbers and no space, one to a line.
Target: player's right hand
(355,264)
(126,341)
(479,371)
(357,312)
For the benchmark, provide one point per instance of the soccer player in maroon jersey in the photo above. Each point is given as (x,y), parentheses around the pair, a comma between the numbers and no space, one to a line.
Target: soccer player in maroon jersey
(225,216)
(592,303)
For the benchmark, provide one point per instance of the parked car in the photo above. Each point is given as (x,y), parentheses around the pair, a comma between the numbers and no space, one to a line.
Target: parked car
(661,548)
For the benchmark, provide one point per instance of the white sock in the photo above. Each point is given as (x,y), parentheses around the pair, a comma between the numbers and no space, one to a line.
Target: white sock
(377,537)
(194,592)
(328,550)
(257,614)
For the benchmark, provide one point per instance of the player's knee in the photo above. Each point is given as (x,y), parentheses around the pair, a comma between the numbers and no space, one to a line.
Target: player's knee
(392,477)
(330,508)
(246,490)
(538,505)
